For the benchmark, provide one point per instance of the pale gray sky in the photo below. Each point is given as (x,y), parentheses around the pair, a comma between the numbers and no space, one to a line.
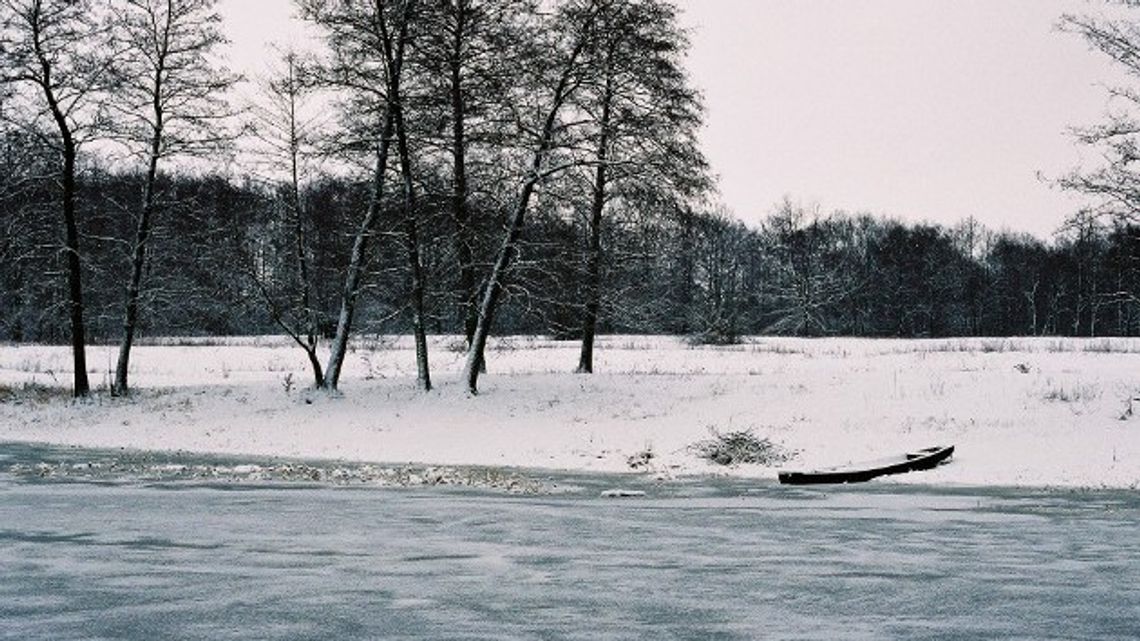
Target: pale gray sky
(917,109)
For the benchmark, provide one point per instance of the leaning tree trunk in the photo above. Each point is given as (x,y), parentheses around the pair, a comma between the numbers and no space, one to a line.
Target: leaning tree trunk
(134,287)
(352,282)
(506,255)
(493,288)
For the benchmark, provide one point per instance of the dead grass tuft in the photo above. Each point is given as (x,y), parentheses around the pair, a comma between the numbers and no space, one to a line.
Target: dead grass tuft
(32,392)
(1076,393)
(742,446)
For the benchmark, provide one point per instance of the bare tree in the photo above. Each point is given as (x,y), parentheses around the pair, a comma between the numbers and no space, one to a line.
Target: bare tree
(27,171)
(465,54)
(393,47)
(645,115)
(560,73)
(171,103)
(1116,183)
(368,42)
(61,51)
(811,271)
(286,129)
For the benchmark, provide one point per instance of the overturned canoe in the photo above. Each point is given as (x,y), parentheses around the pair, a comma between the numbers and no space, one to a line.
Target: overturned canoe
(923,459)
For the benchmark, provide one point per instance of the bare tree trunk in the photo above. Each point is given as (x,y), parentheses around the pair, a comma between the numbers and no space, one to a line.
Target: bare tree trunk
(1031,299)
(165,49)
(394,59)
(356,260)
(81,387)
(493,288)
(138,259)
(593,304)
(300,246)
(37,41)
(315,365)
(594,247)
(507,252)
(411,243)
(423,370)
(460,215)
(685,272)
(311,330)
(468,287)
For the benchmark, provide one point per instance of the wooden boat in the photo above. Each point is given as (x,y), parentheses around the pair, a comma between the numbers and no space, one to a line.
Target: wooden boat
(923,459)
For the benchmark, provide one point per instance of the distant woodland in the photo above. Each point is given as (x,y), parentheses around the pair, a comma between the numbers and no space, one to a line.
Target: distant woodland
(223,250)
(460,167)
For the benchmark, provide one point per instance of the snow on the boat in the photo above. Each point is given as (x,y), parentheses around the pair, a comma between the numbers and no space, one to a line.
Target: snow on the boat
(1038,412)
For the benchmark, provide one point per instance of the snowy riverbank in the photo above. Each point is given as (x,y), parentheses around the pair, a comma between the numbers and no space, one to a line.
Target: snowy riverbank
(1029,412)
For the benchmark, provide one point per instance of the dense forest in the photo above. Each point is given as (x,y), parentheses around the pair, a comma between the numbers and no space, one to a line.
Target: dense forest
(452,166)
(223,263)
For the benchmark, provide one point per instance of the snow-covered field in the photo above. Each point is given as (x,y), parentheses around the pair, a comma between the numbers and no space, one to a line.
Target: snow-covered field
(1028,412)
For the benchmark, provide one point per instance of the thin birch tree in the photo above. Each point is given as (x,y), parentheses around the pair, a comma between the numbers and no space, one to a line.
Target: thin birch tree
(170,103)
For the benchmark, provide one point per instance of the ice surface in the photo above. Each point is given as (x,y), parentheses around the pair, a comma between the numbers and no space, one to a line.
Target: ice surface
(712,560)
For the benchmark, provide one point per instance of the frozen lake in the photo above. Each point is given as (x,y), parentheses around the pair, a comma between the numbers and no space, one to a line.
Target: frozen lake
(706,559)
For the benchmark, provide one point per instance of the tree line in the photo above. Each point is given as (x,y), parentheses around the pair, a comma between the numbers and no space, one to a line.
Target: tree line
(807,274)
(452,166)
(225,263)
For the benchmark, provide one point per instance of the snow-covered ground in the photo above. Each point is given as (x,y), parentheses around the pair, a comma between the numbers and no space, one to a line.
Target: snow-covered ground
(1029,412)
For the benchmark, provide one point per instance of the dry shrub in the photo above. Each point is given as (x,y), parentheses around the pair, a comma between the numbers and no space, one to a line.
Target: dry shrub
(742,446)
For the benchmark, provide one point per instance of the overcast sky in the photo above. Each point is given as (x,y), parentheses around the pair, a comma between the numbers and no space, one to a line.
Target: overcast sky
(917,109)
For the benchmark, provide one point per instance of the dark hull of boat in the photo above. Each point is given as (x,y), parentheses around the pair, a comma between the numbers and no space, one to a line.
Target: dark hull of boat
(913,462)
